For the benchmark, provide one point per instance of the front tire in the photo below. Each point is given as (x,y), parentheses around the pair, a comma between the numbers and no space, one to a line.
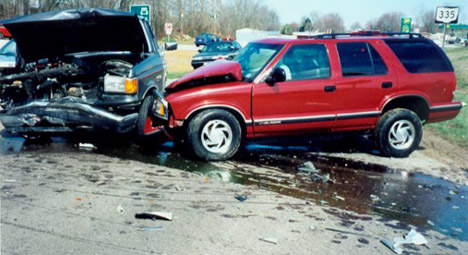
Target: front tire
(398,133)
(214,135)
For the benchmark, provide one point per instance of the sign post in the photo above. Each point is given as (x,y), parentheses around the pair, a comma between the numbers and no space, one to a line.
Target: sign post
(143,11)
(405,25)
(446,15)
(168,29)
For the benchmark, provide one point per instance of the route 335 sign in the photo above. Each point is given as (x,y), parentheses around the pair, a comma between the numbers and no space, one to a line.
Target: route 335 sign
(447,15)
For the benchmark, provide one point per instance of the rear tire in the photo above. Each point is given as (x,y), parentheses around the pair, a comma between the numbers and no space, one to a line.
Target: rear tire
(398,133)
(214,135)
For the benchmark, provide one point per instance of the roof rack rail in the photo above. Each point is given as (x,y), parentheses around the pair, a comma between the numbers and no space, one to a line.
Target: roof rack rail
(373,33)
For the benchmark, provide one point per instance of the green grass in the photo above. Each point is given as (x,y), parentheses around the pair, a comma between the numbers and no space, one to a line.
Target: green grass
(175,75)
(456,130)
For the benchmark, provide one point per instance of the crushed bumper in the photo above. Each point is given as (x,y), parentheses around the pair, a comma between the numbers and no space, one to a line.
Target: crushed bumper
(63,116)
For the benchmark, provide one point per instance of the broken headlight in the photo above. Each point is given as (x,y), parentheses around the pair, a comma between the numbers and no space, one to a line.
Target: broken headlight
(118,84)
(161,108)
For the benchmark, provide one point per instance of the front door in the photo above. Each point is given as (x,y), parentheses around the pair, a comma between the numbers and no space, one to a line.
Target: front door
(302,103)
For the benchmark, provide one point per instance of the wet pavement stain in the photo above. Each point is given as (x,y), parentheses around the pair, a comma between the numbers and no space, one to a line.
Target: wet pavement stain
(412,198)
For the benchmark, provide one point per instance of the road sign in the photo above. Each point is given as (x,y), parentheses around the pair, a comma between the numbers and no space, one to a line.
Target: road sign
(168,28)
(143,11)
(447,14)
(405,25)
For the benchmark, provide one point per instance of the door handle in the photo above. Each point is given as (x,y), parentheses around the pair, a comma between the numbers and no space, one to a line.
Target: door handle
(387,85)
(329,88)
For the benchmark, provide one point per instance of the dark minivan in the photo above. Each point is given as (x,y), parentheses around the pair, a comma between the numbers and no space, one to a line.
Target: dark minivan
(205,38)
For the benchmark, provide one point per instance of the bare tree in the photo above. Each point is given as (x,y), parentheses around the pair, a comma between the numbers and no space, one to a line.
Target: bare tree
(427,21)
(356,26)
(389,22)
(330,22)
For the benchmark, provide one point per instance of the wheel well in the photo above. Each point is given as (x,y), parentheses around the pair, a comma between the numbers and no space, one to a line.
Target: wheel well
(414,103)
(235,113)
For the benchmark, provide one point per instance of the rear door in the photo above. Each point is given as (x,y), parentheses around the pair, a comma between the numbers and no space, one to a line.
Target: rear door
(302,102)
(364,82)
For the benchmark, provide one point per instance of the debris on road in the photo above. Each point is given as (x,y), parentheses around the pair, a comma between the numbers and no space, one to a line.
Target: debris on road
(154,216)
(120,209)
(312,227)
(270,240)
(151,229)
(308,167)
(78,199)
(86,146)
(241,198)
(337,197)
(9,180)
(374,198)
(179,188)
(413,237)
(206,179)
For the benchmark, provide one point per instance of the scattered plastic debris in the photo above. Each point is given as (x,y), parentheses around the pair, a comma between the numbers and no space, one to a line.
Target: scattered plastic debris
(455,207)
(9,180)
(78,199)
(308,167)
(413,237)
(270,240)
(323,202)
(154,216)
(86,146)
(312,227)
(451,192)
(206,179)
(151,229)
(120,209)
(179,188)
(374,198)
(337,197)
(241,198)
(430,223)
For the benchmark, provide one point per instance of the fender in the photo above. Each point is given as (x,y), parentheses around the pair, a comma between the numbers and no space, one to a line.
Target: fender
(208,106)
(401,94)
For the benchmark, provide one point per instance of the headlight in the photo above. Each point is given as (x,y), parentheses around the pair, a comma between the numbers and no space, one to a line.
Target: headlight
(160,108)
(118,84)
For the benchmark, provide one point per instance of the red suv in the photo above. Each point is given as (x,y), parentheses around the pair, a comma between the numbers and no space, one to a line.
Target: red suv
(388,83)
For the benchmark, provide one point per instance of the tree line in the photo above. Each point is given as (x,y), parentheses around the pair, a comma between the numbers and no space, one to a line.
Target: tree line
(189,17)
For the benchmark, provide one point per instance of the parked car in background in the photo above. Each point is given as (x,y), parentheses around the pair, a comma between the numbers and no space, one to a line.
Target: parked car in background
(386,84)
(8,56)
(215,51)
(81,69)
(205,38)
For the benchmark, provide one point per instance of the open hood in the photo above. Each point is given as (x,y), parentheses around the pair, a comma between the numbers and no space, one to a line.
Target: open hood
(218,68)
(56,33)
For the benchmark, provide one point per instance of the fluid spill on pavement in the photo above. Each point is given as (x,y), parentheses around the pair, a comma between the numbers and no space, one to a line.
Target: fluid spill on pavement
(412,198)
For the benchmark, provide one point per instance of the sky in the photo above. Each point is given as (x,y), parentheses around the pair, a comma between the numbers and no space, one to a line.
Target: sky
(360,10)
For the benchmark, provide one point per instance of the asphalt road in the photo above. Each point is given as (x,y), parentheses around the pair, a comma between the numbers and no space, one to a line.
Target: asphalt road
(60,199)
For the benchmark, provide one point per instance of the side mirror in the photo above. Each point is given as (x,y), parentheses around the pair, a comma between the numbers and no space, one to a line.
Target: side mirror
(278,75)
(171,46)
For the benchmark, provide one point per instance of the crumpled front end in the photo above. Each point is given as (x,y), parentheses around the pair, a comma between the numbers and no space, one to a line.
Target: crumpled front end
(63,115)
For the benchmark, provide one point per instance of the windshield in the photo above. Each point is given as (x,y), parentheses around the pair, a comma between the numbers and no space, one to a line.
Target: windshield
(9,49)
(255,57)
(218,47)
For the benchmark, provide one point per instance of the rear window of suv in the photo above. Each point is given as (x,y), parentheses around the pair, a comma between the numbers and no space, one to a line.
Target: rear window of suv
(420,56)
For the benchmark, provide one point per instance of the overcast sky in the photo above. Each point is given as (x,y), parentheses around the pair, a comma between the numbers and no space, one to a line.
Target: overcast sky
(359,10)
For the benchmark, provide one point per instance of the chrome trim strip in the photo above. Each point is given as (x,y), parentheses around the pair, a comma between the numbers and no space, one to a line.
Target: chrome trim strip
(346,116)
(291,120)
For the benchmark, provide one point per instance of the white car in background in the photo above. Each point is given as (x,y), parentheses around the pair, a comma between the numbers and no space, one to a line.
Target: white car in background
(8,55)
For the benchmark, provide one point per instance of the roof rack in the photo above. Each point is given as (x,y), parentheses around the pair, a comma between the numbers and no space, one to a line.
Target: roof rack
(366,33)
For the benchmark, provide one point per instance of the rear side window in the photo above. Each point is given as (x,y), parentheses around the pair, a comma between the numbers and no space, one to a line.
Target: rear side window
(305,62)
(420,56)
(360,58)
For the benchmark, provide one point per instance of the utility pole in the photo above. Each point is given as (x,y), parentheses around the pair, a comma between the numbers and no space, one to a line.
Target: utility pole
(213,10)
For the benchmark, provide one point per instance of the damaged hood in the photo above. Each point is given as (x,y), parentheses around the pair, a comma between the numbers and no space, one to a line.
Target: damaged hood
(218,68)
(57,33)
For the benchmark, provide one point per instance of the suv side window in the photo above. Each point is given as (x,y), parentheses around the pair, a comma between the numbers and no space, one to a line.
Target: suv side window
(304,62)
(420,56)
(360,58)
